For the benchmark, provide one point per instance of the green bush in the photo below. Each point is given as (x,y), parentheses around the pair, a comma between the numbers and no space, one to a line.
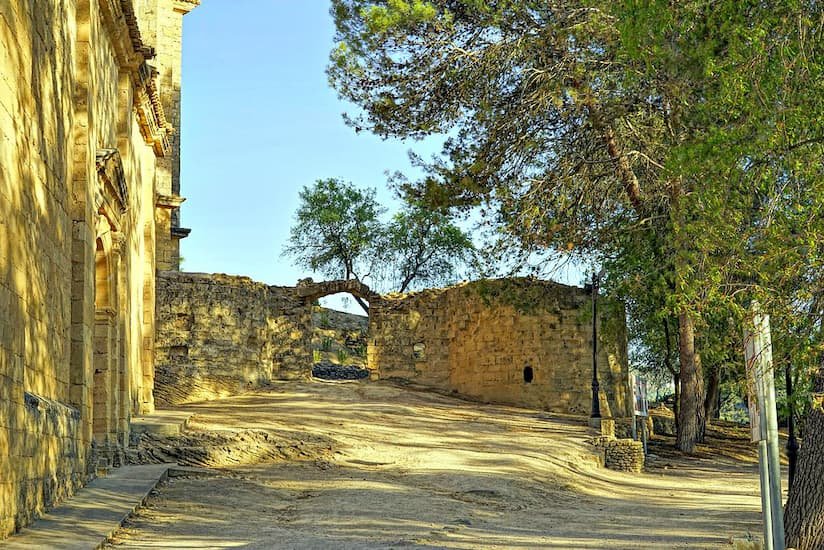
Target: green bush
(323,320)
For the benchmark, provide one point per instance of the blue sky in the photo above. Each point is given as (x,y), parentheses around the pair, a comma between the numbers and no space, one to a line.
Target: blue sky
(260,121)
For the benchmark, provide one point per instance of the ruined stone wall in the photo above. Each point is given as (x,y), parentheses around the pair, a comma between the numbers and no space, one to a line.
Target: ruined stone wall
(220,335)
(79,143)
(517,341)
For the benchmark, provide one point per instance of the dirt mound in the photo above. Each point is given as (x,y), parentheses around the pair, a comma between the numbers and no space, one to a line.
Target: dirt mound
(415,469)
(213,449)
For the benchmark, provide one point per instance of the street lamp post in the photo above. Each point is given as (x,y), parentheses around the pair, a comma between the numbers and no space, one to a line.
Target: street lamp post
(792,442)
(596,402)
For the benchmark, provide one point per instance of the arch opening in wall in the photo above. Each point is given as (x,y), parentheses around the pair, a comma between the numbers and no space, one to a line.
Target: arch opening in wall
(339,340)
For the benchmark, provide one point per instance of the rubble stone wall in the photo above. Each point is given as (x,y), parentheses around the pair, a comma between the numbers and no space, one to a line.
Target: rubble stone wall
(517,341)
(626,455)
(219,335)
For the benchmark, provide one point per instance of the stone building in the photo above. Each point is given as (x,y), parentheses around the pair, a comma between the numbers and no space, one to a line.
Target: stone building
(89,193)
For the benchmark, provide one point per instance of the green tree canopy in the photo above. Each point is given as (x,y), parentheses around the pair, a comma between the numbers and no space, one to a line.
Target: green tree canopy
(423,247)
(647,134)
(339,233)
(337,228)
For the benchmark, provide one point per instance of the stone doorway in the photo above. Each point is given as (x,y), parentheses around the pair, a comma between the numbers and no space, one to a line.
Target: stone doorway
(108,381)
(339,339)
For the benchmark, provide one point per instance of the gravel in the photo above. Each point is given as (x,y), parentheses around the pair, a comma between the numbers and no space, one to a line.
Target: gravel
(330,371)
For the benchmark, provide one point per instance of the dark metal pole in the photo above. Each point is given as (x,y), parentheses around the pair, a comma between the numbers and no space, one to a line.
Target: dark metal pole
(792,442)
(596,404)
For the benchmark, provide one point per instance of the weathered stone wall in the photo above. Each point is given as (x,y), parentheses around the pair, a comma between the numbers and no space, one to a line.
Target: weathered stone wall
(219,335)
(80,138)
(518,341)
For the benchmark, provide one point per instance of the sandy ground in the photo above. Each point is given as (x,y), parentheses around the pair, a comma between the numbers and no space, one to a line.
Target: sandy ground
(388,467)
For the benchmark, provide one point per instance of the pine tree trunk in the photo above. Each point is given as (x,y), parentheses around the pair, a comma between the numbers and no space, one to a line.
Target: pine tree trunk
(676,407)
(676,378)
(713,390)
(804,513)
(691,420)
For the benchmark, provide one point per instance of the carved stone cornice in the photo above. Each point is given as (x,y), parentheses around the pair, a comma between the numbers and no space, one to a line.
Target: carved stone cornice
(169,202)
(180,232)
(132,53)
(185,6)
(120,22)
(151,118)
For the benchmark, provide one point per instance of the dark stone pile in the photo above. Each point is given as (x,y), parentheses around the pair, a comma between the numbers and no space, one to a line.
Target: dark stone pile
(330,371)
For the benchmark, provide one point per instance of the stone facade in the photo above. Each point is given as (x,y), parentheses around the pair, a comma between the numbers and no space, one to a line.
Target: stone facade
(517,341)
(219,335)
(86,128)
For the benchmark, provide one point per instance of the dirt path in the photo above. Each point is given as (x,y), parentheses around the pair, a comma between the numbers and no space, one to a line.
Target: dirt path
(395,468)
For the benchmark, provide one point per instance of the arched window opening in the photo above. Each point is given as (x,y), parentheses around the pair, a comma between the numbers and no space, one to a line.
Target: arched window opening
(528,374)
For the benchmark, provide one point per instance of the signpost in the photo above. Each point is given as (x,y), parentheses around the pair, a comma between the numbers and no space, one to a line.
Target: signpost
(764,423)
(640,407)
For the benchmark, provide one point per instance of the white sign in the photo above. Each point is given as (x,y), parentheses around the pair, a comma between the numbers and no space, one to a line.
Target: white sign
(640,404)
(758,357)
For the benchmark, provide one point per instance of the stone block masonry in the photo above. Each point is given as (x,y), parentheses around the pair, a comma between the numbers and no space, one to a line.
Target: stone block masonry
(84,144)
(625,455)
(219,335)
(516,341)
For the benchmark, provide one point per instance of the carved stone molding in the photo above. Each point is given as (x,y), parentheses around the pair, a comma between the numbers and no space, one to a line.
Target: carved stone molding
(110,172)
(111,195)
(121,23)
(151,117)
(104,314)
(169,202)
(185,6)
(118,243)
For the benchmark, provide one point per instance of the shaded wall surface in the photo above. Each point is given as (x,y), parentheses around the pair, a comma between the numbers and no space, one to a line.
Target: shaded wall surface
(517,341)
(82,132)
(219,335)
